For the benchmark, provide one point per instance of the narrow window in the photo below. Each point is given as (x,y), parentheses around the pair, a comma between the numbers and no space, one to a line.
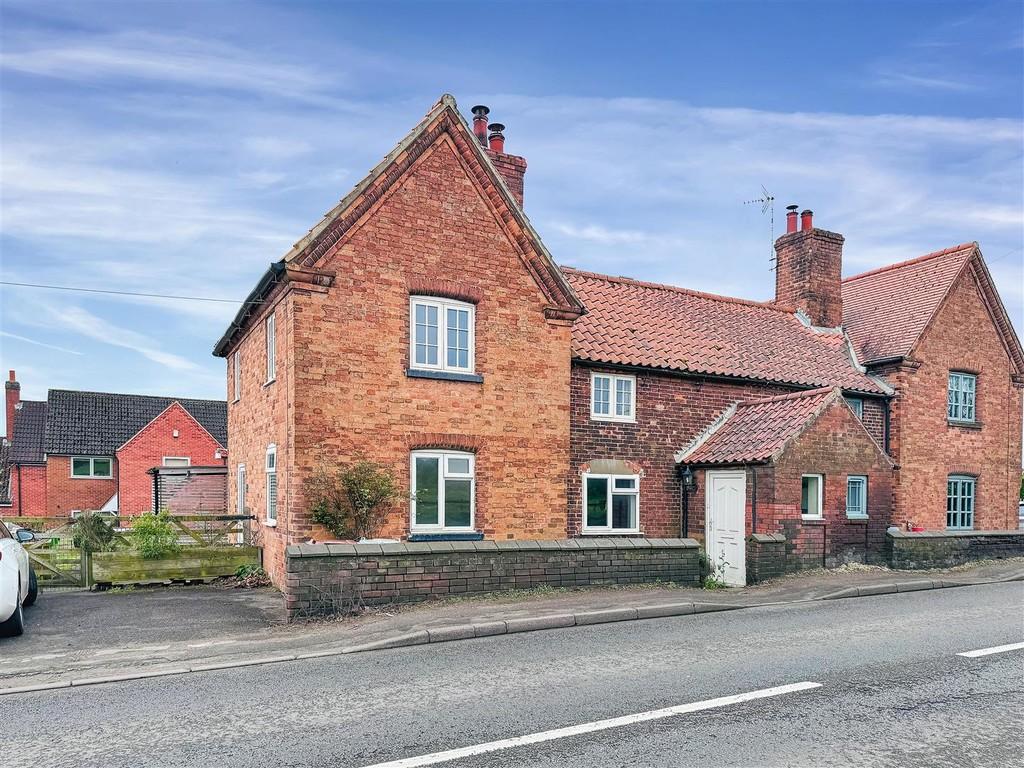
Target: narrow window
(611,503)
(236,374)
(271,484)
(857,405)
(443,490)
(856,496)
(176,461)
(98,468)
(810,496)
(612,397)
(960,397)
(271,348)
(441,334)
(960,502)
(240,490)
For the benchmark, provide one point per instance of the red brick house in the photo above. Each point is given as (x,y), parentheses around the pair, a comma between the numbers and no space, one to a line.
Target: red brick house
(422,324)
(95,450)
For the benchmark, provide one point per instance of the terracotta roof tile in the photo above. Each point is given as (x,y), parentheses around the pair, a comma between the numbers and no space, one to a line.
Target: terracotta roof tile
(755,430)
(629,322)
(886,310)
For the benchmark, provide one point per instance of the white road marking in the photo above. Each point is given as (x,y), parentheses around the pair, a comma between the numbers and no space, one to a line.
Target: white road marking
(597,725)
(990,651)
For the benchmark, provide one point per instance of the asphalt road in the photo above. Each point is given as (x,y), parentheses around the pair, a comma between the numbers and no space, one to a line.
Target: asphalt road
(892,692)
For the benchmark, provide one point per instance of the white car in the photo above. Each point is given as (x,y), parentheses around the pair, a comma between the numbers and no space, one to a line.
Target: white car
(18,587)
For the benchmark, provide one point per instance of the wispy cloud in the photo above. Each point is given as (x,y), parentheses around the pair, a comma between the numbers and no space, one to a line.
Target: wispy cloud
(890,79)
(595,233)
(38,343)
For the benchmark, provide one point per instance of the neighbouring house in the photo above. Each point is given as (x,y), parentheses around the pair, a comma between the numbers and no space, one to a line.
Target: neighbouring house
(95,450)
(422,324)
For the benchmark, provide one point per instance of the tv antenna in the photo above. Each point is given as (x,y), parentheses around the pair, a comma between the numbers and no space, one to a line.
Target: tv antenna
(767,202)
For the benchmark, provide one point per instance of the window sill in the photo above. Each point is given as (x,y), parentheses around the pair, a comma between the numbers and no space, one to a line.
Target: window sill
(856,518)
(606,534)
(612,419)
(420,373)
(973,425)
(92,477)
(270,523)
(455,534)
(812,519)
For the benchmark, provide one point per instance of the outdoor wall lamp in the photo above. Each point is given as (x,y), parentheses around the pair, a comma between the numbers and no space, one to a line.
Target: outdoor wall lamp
(687,482)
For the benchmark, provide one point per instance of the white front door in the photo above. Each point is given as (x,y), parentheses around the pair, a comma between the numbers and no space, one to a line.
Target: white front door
(726,526)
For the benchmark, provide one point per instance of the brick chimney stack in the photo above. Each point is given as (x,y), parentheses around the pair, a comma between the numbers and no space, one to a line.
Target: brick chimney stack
(12,391)
(511,167)
(808,270)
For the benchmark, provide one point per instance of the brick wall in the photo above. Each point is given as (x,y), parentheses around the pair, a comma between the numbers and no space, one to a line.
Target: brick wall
(65,493)
(28,490)
(928,448)
(414,571)
(946,549)
(835,446)
(766,557)
(147,450)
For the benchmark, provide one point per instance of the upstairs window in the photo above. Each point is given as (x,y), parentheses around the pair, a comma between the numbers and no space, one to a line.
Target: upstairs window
(236,375)
(443,490)
(271,484)
(611,503)
(271,348)
(98,468)
(960,399)
(960,502)
(856,496)
(441,334)
(857,405)
(612,397)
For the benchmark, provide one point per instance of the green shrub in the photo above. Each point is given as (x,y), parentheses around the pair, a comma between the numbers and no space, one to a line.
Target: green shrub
(92,532)
(352,501)
(155,536)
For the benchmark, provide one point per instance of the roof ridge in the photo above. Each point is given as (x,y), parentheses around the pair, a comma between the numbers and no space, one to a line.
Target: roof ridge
(128,394)
(678,289)
(788,396)
(915,260)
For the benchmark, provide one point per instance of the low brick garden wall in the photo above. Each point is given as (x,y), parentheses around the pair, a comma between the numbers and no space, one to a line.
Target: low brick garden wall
(942,549)
(323,578)
(766,557)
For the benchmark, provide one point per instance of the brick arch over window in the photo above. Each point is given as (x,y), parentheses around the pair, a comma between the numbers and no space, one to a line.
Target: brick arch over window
(446,289)
(450,442)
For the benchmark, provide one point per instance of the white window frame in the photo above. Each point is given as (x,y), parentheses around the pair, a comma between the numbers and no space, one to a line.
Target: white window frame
(613,379)
(857,406)
(443,473)
(240,490)
(270,469)
(186,459)
(236,375)
(955,411)
(92,468)
(821,497)
(964,481)
(861,480)
(270,325)
(442,306)
(611,491)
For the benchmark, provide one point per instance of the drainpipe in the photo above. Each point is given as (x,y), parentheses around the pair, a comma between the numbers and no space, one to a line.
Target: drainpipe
(885,426)
(685,493)
(753,500)
(21,492)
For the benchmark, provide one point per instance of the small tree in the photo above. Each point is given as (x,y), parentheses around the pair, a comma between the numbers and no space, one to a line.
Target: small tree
(93,532)
(352,501)
(154,536)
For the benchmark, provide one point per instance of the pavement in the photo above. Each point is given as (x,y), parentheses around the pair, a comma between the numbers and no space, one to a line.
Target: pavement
(88,637)
(875,681)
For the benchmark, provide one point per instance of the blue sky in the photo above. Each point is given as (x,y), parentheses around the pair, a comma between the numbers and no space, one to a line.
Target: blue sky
(179,148)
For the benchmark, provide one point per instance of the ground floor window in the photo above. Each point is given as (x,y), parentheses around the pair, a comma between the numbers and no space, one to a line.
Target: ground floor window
(443,490)
(856,496)
(611,503)
(960,502)
(810,496)
(271,469)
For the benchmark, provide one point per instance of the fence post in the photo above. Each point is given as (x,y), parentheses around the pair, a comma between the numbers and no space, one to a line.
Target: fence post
(86,560)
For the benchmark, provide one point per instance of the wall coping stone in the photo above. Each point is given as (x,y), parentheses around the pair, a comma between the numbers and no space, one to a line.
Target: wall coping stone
(443,547)
(767,538)
(911,535)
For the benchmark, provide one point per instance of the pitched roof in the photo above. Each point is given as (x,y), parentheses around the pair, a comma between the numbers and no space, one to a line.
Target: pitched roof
(757,430)
(443,118)
(634,323)
(886,310)
(29,433)
(98,423)
(5,473)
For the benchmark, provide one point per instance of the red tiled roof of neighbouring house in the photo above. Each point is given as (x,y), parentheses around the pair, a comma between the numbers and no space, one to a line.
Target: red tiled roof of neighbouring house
(634,323)
(757,430)
(886,310)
